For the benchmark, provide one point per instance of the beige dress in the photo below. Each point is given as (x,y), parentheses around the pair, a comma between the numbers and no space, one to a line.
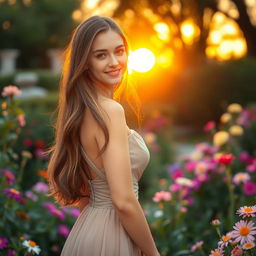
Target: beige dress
(98,230)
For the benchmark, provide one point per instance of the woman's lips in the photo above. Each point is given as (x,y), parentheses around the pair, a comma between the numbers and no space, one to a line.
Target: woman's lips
(114,73)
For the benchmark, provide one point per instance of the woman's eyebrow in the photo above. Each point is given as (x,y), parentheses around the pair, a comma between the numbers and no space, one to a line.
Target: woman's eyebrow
(104,50)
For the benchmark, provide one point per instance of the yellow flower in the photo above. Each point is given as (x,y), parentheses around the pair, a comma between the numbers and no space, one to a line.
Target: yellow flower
(236,130)
(234,108)
(220,138)
(226,117)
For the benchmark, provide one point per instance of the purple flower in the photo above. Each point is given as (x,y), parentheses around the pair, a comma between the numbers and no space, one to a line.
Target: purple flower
(13,193)
(29,194)
(63,230)
(41,187)
(11,252)
(174,167)
(3,242)
(75,212)
(48,205)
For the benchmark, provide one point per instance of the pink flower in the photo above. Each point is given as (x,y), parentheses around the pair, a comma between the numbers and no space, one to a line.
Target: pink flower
(243,232)
(197,246)
(11,90)
(225,240)
(41,187)
(209,126)
(11,252)
(247,211)
(21,120)
(162,195)
(58,213)
(190,166)
(252,166)
(217,252)
(29,194)
(249,188)
(63,230)
(241,177)
(175,187)
(9,177)
(75,212)
(237,251)
(215,222)
(245,157)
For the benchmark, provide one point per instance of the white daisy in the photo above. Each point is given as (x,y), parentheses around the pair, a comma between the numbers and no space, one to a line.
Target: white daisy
(31,246)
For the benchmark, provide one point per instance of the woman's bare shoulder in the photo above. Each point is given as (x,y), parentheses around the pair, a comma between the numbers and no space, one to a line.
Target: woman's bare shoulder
(113,109)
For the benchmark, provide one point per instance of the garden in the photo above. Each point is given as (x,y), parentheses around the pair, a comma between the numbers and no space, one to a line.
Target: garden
(198,99)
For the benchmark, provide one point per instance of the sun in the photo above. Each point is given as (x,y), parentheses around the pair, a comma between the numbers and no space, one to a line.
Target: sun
(141,60)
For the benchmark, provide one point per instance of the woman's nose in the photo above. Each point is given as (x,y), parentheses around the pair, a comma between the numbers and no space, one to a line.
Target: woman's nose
(113,60)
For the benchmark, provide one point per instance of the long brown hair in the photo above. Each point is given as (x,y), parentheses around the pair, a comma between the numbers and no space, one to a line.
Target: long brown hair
(68,172)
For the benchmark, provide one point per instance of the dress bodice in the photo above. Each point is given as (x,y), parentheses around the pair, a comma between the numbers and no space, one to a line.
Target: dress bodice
(139,159)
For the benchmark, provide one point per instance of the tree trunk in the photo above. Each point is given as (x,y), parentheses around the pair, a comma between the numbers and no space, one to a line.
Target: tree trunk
(247,27)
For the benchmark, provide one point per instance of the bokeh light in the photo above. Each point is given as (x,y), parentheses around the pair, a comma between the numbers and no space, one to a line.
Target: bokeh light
(141,60)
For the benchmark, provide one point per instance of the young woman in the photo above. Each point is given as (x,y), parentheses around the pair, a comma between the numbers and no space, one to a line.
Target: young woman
(96,160)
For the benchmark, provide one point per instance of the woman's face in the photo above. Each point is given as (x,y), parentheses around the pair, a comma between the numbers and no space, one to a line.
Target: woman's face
(107,59)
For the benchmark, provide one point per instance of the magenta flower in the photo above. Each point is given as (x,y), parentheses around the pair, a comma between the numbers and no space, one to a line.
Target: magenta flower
(247,211)
(209,126)
(245,157)
(63,230)
(249,188)
(3,242)
(190,166)
(11,252)
(252,166)
(162,196)
(48,205)
(58,213)
(13,193)
(75,212)
(11,90)
(243,232)
(41,187)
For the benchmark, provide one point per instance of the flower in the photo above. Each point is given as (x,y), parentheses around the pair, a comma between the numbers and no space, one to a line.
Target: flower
(197,246)
(248,246)
(11,90)
(26,154)
(27,142)
(215,222)
(241,177)
(209,126)
(243,231)
(234,108)
(31,246)
(11,252)
(220,138)
(41,187)
(225,159)
(29,194)
(63,230)
(201,168)
(58,213)
(75,212)
(184,182)
(226,117)
(237,251)
(225,239)
(252,166)
(9,177)
(249,188)
(3,242)
(21,120)
(217,252)
(13,193)
(162,195)
(158,213)
(247,211)
(236,130)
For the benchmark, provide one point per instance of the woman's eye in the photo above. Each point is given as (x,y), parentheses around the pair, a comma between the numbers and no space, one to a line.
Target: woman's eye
(101,55)
(120,52)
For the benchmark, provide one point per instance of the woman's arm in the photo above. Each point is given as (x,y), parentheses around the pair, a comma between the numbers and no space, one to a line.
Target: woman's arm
(116,161)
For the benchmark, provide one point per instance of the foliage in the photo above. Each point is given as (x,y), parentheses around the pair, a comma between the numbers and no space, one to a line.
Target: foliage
(211,182)
(30,222)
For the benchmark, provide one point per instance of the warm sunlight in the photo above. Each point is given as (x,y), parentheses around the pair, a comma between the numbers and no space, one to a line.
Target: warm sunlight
(141,60)
(189,31)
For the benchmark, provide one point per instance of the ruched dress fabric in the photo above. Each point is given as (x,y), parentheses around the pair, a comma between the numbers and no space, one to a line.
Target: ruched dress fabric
(98,230)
